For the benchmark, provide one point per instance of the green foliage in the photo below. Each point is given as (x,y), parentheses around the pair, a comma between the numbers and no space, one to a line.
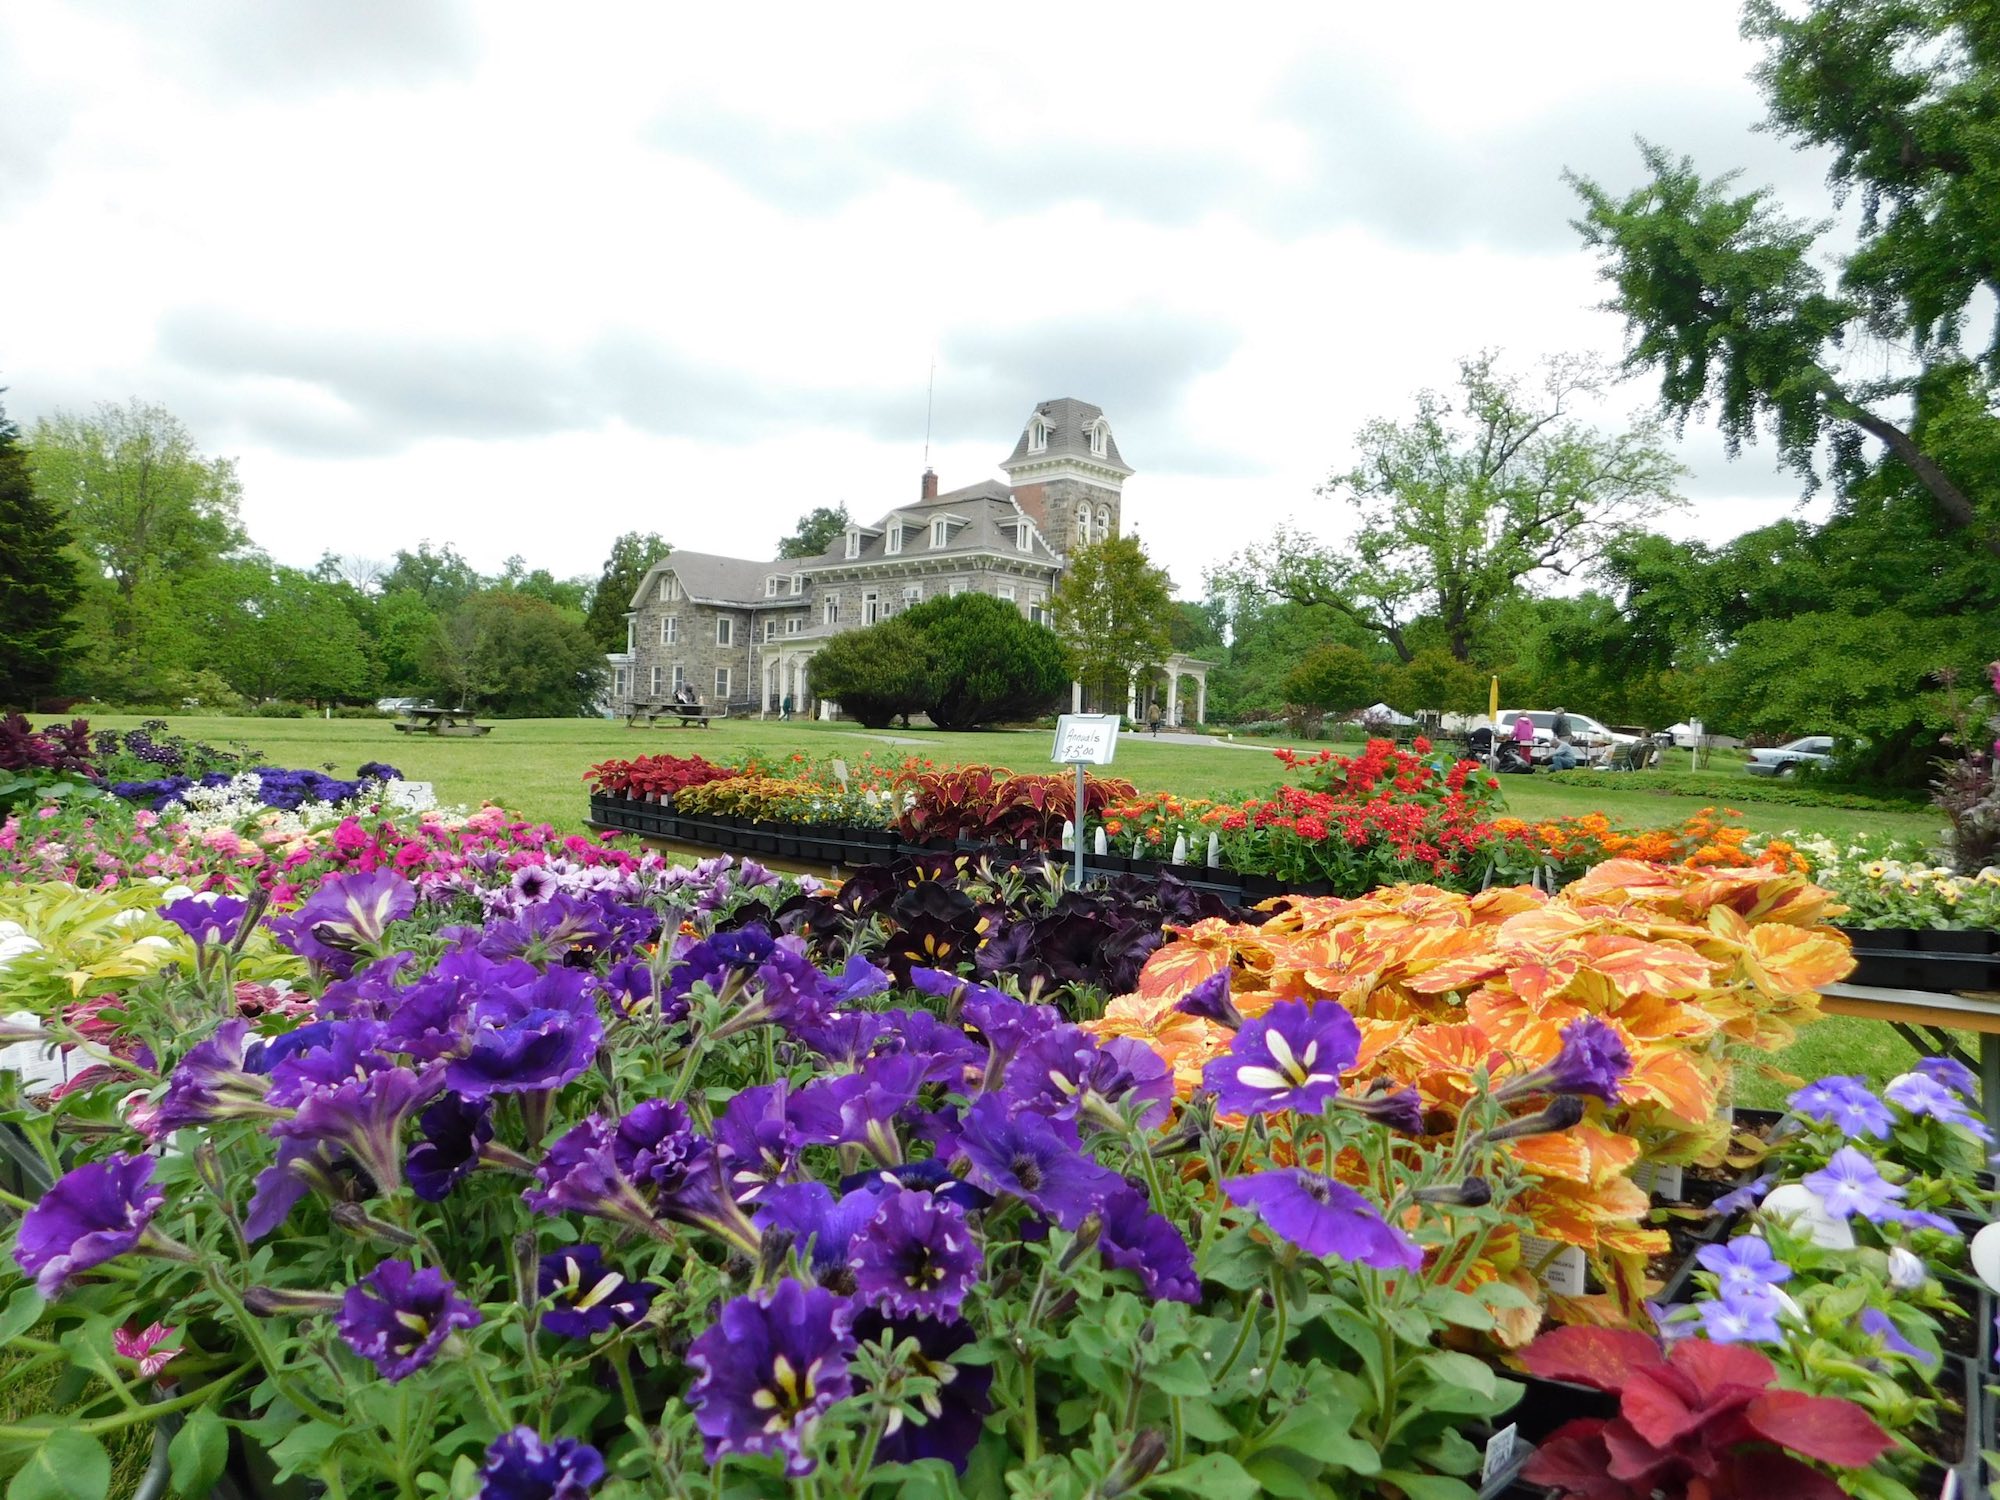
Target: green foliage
(878,674)
(1268,638)
(512,655)
(1728,788)
(571,595)
(1472,501)
(1436,681)
(38,582)
(624,570)
(442,579)
(988,663)
(403,629)
(818,529)
(1196,626)
(274,632)
(1334,679)
(1115,611)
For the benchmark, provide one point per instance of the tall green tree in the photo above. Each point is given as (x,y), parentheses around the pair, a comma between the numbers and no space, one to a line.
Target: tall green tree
(988,664)
(878,674)
(1726,298)
(508,653)
(440,577)
(1115,611)
(1476,499)
(1334,679)
(39,587)
(818,529)
(624,570)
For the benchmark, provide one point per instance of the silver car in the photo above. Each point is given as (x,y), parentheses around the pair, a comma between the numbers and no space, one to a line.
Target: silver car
(1812,750)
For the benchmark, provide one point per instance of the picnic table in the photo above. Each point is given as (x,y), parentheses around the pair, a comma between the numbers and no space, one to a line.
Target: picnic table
(688,715)
(1926,1020)
(442,721)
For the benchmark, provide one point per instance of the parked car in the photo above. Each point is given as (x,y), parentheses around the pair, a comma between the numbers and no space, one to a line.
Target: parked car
(1812,750)
(1583,730)
(399,705)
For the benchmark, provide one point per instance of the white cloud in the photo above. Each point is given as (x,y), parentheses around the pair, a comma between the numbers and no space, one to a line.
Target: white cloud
(521,278)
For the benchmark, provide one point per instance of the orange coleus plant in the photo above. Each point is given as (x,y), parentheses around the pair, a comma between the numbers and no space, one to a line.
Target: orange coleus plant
(1685,963)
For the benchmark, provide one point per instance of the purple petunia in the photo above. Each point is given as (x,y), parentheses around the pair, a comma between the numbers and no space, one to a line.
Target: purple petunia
(521,1466)
(93,1213)
(521,1042)
(1324,1218)
(1399,1109)
(454,1130)
(1592,1062)
(1289,1058)
(585,1296)
(1920,1094)
(212,1082)
(816,1217)
(1136,1239)
(365,1115)
(916,1257)
(1021,1153)
(1846,1103)
(1066,1073)
(345,917)
(1850,1184)
(399,1317)
(766,1370)
(1211,1001)
(1746,1196)
(1877,1322)
(211,920)
(1745,1264)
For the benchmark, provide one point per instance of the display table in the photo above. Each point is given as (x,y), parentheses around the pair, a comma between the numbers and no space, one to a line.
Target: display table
(1926,1020)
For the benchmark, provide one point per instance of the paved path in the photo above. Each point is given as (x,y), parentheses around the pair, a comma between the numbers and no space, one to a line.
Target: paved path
(1176,737)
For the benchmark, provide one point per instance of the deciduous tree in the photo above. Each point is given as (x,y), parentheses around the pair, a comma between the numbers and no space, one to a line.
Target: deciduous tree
(1334,679)
(1115,612)
(818,529)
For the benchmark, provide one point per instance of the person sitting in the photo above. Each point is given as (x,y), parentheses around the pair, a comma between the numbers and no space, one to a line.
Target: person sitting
(684,695)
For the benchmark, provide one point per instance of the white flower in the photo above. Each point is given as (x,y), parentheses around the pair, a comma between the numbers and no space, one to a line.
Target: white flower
(176,893)
(153,941)
(1906,1271)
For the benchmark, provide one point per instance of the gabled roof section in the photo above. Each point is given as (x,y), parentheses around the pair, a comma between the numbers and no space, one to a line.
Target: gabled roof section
(1068,421)
(985,517)
(709,579)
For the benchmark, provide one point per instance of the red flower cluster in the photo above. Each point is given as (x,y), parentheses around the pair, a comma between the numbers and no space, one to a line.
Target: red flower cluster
(653,775)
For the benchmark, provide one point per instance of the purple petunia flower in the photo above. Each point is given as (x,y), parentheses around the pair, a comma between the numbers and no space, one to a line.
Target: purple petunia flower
(1289,1058)
(1593,1062)
(813,1215)
(650,1166)
(916,1257)
(1067,1073)
(523,1042)
(1920,1094)
(455,1129)
(1399,1109)
(1951,1073)
(345,917)
(1136,1239)
(1845,1102)
(759,1140)
(212,1082)
(955,1413)
(365,1115)
(93,1213)
(399,1317)
(521,1466)
(1745,1264)
(1021,1153)
(586,1297)
(212,921)
(1324,1218)
(1850,1184)
(1744,1318)
(1747,1196)
(766,1370)
(1210,1000)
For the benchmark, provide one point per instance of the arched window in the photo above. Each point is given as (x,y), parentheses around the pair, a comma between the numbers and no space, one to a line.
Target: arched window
(1083,524)
(1104,523)
(1097,438)
(1038,435)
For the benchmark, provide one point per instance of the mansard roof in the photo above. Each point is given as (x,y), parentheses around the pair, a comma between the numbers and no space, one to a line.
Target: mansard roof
(1068,420)
(710,579)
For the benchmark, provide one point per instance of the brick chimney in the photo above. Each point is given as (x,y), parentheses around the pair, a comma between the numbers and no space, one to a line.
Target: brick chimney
(930,484)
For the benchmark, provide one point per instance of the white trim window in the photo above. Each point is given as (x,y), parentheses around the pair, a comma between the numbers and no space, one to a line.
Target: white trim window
(1104,523)
(958,586)
(940,532)
(670,588)
(829,610)
(680,676)
(1038,435)
(771,586)
(1097,438)
(798,584)
(770,630)
(1024,536)
(722,684)
(853,544)
(913,595)
(871,607)
(618,678)
(656,682)
(1005,591)
(670,630)
(1037,610)
(725,630)
(894,544)
(795,624)
(1083,524)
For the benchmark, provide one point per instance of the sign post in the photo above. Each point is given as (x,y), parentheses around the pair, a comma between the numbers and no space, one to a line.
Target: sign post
(1084,740)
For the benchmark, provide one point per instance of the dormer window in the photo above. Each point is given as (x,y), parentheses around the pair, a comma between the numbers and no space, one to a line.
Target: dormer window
(853,544)
(940,532)
(1097,438)
(798,583)
(771,587)
(895,543)
(1024,536)
(1038,435)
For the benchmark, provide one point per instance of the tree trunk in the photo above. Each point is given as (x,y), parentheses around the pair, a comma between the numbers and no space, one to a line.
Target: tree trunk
(1951,500)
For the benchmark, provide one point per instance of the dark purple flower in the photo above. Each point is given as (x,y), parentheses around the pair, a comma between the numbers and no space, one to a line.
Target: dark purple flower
(345,917)
(1210,1000)
(454,1130)
(1593,1062)
(301,1165)
(650,1166)
(1324,1218)
(580,1174)
(932,1174)
(819,1221)
(1850,1184)
(93,1213)
(399,1317)
(520,1043)
(1066,1073)
(521,1466)
(586,1297)
(324,1054)
(1846,1103)
(859,980)
(1289,1058)
(1136,1239)
(1021,1153)
(212,921)
(766,1370)
(955,1414)
(758,1140)
(1747,1196)
(1399,1109)
(916,1257)
(365,1115)
(212,1082)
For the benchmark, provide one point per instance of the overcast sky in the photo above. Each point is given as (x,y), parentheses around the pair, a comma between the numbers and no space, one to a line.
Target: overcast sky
(520,277)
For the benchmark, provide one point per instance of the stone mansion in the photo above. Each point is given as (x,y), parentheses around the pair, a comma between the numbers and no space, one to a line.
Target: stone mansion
(741,633)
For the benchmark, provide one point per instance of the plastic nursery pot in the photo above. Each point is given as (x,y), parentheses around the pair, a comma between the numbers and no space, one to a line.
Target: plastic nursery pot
(1257,887)
(1959,1382)
(1546,1404)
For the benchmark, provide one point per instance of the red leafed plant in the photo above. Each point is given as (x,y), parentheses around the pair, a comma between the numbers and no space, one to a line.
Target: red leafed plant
(656,775)
(989,802)
(1704,1420)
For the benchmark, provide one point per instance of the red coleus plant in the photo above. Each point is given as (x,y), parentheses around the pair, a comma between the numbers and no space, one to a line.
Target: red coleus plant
(654,775)
(1703,1421)
(990,802)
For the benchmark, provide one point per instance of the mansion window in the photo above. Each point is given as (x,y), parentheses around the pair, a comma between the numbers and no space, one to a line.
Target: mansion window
(1104,523)
(770,630)
(1097,439)
(830,609)
(722,684)
(656,681)
(771,586)
(1038,435)
(940,532)
(914,594)
(725,631)
(794,624)
(670,630)
(618,680)
(680,677)
(1036,611)
(957,587)
(871,608)
(798,584)
(853,544)
(1024,537)
(670,589)
(895,543)
(1083,525)
(1006,591)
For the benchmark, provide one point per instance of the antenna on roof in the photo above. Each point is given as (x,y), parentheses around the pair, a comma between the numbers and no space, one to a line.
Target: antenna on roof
(930,395)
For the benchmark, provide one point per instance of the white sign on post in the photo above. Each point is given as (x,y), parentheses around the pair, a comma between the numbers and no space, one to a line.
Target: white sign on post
(1085,739)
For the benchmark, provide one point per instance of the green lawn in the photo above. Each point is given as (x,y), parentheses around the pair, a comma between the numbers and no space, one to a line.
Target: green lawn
(536,766)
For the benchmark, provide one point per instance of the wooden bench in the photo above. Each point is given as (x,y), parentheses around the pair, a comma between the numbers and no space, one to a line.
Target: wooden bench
(443,721)
(689,715)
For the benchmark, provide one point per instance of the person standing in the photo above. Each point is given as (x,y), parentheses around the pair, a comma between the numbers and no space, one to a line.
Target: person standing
(785,708)
(1561,727)
(1524,738)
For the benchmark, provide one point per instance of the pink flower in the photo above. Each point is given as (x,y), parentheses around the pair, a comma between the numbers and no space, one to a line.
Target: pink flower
(144,1347)
(46,813)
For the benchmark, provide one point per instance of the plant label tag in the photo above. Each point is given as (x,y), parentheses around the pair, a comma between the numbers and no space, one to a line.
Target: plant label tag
(1661,1179)
(840,773)
(1085,739)
(1950,1490)
(1499,1453)
(1560,1268)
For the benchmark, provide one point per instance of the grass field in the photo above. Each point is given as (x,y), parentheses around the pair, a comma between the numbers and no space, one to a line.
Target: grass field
(536,767)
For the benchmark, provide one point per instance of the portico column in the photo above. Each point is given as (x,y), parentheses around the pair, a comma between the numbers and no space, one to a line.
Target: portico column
(1201,697)
(1173,696)
(1076,697)
(1132,696)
